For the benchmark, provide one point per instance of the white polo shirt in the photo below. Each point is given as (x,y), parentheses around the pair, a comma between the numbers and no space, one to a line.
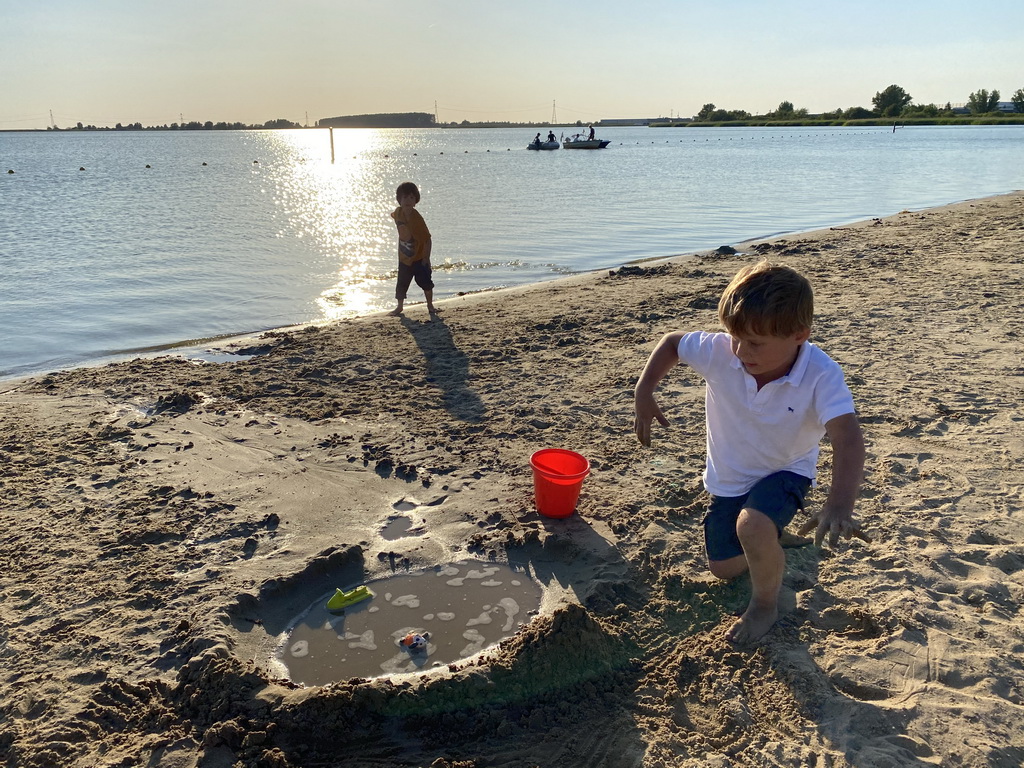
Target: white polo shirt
(752,434)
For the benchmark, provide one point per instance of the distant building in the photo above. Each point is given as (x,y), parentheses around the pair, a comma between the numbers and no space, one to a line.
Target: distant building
(1002,106)
(389,120)
(626,121)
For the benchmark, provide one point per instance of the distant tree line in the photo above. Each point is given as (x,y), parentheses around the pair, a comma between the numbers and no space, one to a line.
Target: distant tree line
(893,102)
(191,126)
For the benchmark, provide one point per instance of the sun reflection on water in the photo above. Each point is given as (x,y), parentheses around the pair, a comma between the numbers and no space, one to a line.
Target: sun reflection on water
(340,211)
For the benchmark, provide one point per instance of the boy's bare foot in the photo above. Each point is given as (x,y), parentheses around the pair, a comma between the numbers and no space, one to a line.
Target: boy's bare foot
(752,625)
(396,312)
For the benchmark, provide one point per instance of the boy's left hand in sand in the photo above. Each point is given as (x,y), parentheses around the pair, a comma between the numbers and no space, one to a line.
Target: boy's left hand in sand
(835,526)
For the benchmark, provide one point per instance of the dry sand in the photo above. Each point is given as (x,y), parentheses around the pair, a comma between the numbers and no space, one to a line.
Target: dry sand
(163,520)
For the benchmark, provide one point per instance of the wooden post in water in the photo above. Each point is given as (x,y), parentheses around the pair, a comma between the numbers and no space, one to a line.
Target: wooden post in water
(331,129)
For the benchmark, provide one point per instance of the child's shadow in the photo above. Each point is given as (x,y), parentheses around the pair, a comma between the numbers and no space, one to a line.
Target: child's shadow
(447,368)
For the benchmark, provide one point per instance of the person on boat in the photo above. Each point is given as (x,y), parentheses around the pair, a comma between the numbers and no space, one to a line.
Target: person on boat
(591,136)
(551,136)
(536,139)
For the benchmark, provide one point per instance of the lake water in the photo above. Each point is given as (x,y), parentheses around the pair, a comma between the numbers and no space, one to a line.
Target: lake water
(116,243)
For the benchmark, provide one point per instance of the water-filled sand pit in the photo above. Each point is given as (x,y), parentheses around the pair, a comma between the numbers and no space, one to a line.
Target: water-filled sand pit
(460,609)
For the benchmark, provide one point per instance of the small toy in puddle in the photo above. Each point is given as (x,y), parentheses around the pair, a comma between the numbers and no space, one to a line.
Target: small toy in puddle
(342,599)
(414,642)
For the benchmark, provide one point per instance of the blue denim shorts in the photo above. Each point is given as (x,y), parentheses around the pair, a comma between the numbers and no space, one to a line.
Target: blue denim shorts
(418,270)
(778,496)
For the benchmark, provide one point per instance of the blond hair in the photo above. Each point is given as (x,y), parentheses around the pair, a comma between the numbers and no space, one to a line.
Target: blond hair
(767,299)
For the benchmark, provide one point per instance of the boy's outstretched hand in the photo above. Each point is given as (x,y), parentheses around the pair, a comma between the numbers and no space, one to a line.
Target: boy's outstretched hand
(836,526)
(647,410)
(835,517)
(662,360)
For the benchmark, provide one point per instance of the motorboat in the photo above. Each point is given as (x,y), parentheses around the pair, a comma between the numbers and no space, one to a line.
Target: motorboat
(581,143)
(543,145)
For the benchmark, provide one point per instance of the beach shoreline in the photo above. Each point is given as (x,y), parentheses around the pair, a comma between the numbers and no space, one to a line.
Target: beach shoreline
(215,348)
(164,520)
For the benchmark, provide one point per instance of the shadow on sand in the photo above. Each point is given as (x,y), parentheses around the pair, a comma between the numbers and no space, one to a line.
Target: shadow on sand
(447,368)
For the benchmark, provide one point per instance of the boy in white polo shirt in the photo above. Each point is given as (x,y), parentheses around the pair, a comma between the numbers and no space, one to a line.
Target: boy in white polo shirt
(771,396)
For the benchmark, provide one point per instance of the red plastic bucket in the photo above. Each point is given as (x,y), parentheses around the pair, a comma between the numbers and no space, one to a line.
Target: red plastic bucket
(557,478)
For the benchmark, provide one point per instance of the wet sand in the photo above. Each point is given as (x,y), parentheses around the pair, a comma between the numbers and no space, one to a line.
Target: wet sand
(163,521)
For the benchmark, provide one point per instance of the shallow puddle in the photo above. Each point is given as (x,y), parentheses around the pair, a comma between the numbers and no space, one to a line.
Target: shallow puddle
(397,528)
(460,609)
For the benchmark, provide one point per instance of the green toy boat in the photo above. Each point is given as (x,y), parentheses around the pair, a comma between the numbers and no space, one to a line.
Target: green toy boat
(343,599)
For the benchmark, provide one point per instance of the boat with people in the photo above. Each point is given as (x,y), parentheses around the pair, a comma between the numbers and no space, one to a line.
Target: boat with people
(543,145)
(588,141)
(539,143)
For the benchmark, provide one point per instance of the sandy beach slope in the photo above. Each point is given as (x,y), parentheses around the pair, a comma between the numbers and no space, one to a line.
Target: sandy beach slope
(163,520)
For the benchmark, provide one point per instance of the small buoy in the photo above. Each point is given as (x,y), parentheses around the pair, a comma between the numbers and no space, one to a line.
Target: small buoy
(10,171)
(204,163)
(255,162)
(442,153)
(148,165)
(82,168)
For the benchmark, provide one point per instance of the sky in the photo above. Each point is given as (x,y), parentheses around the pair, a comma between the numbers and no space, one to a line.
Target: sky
(102,62)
